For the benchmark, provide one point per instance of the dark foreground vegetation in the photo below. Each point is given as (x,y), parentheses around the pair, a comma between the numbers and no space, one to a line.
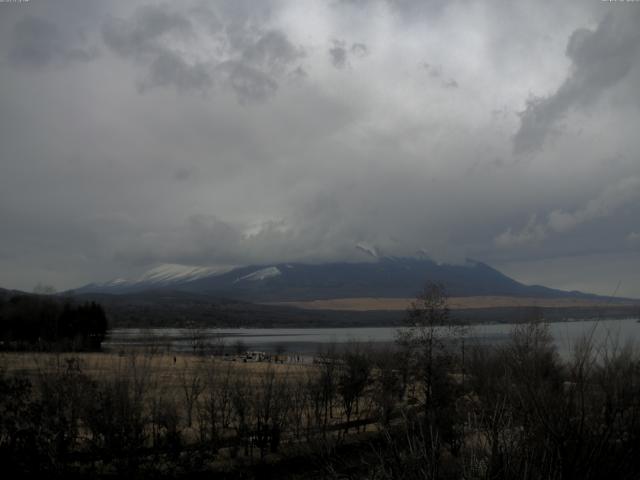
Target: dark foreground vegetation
(41,322)
(428,409)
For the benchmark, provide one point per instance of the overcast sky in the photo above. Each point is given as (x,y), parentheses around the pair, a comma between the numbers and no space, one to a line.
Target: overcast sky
(134,133)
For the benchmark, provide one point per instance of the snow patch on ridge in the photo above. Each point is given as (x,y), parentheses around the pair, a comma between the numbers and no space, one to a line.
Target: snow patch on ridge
(261,274)
(368,249)
(172,272)
(164,274)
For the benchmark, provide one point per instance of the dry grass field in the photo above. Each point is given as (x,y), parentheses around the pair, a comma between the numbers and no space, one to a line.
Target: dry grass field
(186,383)
(362,304)
(164,369)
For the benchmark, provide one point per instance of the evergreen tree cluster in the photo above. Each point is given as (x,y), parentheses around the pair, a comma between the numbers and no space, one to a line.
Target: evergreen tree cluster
(43,322)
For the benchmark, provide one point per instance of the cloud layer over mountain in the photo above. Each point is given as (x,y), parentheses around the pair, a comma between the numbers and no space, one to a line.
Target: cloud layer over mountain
(246,132)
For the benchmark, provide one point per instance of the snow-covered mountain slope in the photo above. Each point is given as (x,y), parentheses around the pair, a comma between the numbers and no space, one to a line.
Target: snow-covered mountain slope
(163,275)
(171,273)
(388,277)
(259,275)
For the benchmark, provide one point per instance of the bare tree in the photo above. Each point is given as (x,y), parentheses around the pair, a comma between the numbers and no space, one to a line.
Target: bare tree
(192,387)
(428,327)
(299,400)
(428,341)
(270,407)
(327,382)
(353,378)
(241,419)
(218,345)
(197,337)
(388,387)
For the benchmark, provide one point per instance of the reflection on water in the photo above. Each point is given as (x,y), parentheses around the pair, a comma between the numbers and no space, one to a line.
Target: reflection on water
(309,340)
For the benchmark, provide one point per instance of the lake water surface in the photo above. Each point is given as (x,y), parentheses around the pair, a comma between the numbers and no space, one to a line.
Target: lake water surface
(310,340)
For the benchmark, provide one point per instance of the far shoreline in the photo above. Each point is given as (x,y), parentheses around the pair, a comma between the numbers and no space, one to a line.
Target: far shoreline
(377,304)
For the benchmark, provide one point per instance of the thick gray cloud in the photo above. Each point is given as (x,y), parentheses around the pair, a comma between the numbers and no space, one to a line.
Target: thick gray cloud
(272,51)
(137,37)
(614,197)
(249,83)
(245,131)
(435,73)
(169,68)
(599,59)
(340,52)
(359,50)
(141,38)
(195,48)
(36,42)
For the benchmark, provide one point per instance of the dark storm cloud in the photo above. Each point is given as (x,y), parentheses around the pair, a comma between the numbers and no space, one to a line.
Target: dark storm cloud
(248,83)
(433,70)
(169,69)
(202,236)
(413,8)
(614,197)
(253,76)
(435,73)
(359,50)
(340,52)
(244,56)
(272,50)
(137,37)
(600,58)
(206,239)
(37,42)
(407,10)
(141,39)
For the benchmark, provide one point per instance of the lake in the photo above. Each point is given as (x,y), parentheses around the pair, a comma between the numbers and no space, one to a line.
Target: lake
(307,341)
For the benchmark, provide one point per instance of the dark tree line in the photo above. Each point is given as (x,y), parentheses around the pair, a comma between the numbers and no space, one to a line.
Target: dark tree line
(41,322)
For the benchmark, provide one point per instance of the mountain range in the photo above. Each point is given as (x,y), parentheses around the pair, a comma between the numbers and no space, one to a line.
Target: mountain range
(338,294)
(386,277)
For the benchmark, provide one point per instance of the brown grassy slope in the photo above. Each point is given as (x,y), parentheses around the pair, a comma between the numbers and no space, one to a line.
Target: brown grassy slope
(397,304)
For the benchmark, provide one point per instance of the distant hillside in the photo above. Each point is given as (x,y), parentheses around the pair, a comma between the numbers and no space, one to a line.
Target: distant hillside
(167,308)
(387,277)
(164,307)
